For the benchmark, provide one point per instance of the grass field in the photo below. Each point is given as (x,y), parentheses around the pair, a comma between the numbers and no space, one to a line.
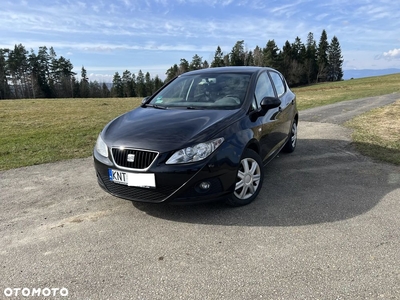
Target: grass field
(327,93)
(377,133)
(36,131)
(40,131)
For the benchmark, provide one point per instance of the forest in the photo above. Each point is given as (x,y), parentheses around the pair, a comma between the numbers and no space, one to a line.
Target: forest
(26,74)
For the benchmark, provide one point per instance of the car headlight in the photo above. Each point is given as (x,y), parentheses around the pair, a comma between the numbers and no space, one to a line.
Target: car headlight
(101,147)
(195,153)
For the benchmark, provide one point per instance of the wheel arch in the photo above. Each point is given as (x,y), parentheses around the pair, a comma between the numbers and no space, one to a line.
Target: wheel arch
(254,145)
(296,118)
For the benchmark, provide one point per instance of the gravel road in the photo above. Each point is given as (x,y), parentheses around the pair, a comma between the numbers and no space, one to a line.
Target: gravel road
(325,226)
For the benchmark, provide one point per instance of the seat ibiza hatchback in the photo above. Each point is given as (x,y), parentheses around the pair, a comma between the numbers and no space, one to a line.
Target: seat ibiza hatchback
(205,135)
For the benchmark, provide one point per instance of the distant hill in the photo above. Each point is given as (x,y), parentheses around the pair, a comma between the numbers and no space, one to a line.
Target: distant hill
(348,74)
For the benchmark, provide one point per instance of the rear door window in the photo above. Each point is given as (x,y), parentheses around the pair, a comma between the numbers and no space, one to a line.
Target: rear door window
(263,88)
(278,82)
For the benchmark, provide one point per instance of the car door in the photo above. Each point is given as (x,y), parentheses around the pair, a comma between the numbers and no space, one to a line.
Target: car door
(272,121)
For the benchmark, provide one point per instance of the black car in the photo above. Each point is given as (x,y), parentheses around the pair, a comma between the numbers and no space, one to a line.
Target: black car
(205,135)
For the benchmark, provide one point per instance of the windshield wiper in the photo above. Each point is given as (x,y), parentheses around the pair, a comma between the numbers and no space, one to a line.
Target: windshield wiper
(156,106)
(194,107)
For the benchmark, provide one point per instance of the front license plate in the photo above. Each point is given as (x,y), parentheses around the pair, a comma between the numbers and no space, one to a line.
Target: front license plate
(146,180)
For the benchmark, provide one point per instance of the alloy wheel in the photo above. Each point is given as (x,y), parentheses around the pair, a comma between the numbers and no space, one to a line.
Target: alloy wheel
(294,135)
(248,178)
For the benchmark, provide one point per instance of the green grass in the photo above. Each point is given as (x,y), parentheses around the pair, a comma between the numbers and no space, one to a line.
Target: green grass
(41,131)
(36,131)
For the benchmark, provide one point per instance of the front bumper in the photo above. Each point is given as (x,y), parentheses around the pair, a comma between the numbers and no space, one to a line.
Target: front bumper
(176,183)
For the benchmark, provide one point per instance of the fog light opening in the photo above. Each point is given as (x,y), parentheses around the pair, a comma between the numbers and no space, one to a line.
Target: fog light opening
(204,186)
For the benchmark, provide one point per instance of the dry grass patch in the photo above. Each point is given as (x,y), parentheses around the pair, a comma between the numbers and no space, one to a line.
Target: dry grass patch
(377,133)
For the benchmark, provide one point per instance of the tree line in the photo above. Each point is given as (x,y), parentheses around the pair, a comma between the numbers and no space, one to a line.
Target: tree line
(299,63)
(131,85)
(26,74)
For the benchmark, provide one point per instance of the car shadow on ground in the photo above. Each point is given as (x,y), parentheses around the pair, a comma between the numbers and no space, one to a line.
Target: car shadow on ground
(322,181)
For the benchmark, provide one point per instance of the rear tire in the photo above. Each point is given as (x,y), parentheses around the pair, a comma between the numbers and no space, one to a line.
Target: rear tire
(292,139)
(249,179)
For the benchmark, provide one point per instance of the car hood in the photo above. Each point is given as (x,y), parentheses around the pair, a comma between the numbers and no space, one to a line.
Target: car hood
(167,129)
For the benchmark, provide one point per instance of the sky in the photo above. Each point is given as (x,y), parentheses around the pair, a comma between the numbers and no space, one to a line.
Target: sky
(106,37)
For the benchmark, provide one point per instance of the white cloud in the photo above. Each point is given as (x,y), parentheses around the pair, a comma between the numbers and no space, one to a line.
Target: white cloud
(98,77)
(321,16)
(99,48)
(392,54)
(226,2)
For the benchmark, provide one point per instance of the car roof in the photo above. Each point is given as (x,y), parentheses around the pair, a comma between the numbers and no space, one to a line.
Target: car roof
(231,69)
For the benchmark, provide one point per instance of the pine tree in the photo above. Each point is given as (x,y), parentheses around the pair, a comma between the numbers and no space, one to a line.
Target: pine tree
(105,92)
(43,69)
(127,85)
(310,63)
(218,60)
(322,57)
(4,87)
(117,89)
(335,60)
(54,76)
(183,66)
(270,55)
(140,85)
(84,84)
(95,89)
(172,72)
(196,63)
(237,55)
(298,57)
(158,83)
(227,61)
(75,86)
(149,84)
(258,57)
(34,74)
(60,79)
(18,66)
(249,59)
(66,76)
(286,62)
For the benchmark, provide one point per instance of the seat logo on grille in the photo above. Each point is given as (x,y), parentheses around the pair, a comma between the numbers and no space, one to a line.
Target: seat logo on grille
(130,158)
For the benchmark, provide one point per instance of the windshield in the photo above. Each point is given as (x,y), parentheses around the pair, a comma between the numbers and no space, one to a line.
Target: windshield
(205,91)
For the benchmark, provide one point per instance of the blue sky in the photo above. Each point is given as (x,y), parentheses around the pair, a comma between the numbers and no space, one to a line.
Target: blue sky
(151,35)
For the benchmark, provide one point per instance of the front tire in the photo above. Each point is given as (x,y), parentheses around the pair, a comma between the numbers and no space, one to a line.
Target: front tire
(249,179)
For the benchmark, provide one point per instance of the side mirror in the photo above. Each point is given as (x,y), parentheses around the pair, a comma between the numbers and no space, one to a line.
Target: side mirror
(144,101)
(266,104)
(270,102)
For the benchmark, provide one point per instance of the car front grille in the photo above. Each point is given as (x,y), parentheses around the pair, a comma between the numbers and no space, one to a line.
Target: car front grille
(141,159)
(136,193)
